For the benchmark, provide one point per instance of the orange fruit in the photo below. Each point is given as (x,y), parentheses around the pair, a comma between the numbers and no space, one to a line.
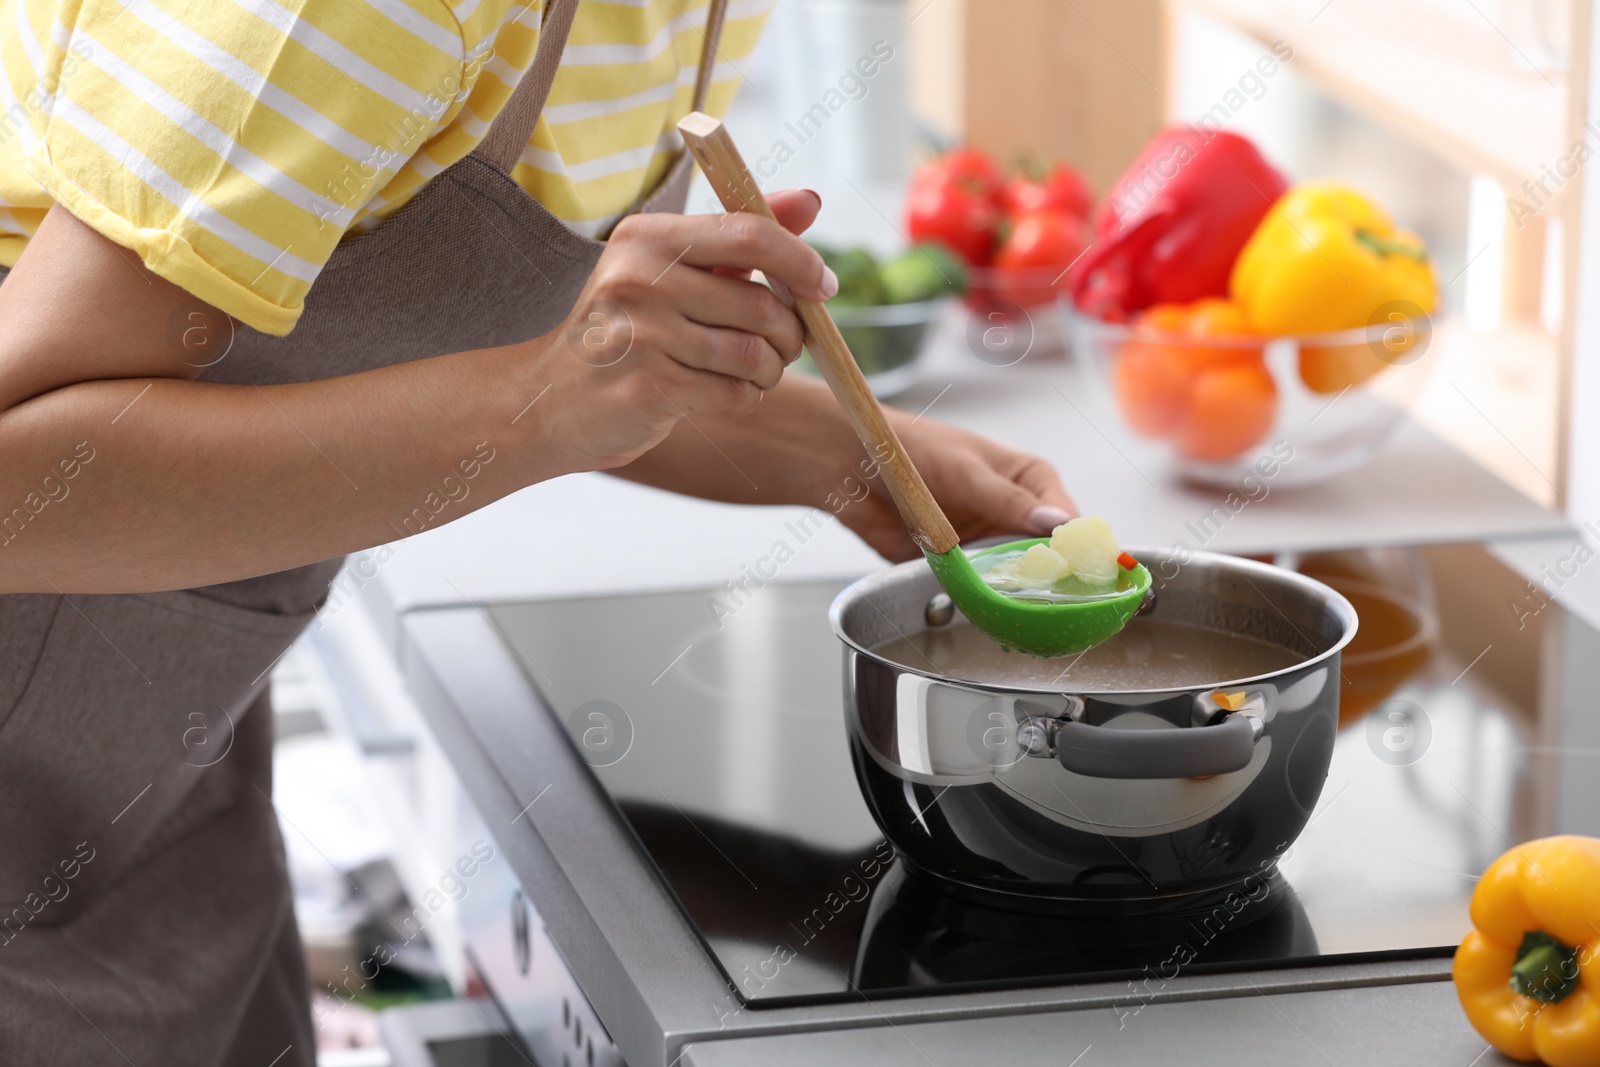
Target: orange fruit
(1151,384)
(1332,368)
(1215,316)
(1155,372)
(1230,409)
(1164,318)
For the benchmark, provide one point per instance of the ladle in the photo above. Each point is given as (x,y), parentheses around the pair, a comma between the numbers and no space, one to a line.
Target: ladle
(1056,628)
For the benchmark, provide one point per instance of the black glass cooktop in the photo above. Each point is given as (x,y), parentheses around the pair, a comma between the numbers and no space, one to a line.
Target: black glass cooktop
(720,736)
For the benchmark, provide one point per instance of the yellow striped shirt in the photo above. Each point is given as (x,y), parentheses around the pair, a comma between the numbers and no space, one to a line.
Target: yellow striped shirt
(233,143)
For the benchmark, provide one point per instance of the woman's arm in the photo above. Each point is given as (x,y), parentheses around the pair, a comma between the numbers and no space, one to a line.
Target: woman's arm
(798,448)
(120,473)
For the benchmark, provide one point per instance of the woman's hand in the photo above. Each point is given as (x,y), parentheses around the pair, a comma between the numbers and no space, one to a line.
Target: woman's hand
(984,488)
(798,448)
(670,327)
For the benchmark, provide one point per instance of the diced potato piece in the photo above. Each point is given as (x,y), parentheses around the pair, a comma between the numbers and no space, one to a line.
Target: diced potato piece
(1089,548)
(1043,563)
(1006,568)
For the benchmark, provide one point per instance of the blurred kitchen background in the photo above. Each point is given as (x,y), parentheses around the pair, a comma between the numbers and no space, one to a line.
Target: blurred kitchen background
(1449,112)
(1441,109)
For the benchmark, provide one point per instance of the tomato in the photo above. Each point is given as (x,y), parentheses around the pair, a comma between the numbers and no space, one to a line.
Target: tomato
(953,212)
(955,200)
(970,166)
(1042,239)
(1059,189)
(1030,267)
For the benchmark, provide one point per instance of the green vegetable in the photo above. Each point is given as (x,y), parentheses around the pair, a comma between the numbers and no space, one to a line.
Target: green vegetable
(859,283)
(868,345)
(922,272)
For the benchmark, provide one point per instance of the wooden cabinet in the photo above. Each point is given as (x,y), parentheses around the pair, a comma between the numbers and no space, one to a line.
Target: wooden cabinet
(1069,79)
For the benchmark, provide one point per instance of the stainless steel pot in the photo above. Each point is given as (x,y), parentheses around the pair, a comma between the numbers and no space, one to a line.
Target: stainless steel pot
(1138,796)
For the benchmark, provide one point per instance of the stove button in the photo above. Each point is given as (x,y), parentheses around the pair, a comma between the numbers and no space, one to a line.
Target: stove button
(521,935)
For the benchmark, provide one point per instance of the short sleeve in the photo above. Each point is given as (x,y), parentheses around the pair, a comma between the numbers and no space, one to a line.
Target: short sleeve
(231,143)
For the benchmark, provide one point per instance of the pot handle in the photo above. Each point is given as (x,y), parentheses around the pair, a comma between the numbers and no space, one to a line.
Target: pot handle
(1188,752)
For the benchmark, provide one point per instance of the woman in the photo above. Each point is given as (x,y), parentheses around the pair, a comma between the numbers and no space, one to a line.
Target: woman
(278,268)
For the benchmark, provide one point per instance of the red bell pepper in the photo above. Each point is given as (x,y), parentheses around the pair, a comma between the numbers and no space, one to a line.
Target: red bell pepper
(1174,222)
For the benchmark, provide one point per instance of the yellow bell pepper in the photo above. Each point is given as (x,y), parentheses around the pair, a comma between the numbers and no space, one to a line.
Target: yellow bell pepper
(1528,974)
(1327,258)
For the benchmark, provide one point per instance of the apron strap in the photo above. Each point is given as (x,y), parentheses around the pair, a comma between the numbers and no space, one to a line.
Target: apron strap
(512,129)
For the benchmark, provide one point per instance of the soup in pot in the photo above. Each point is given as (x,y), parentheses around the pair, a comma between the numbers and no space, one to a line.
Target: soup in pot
(1148,654)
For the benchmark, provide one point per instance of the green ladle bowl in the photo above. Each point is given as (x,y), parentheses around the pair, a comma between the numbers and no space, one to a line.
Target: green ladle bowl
(1032,626)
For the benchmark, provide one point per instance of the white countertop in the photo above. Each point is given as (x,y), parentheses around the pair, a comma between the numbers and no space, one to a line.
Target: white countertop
(1564,570)
(564,537)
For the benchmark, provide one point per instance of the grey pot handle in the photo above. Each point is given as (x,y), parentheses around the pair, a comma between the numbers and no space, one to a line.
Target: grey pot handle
(1188,752)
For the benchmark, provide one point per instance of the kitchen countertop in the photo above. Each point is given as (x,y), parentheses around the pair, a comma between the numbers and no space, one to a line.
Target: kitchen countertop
(1558,569)
(1389,855)
(634,953)
(1410,1023)
(546,541)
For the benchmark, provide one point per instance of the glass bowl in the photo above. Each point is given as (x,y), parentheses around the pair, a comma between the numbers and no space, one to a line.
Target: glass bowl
(886,339)
(1026,287)
(1297,410)
(1022,306)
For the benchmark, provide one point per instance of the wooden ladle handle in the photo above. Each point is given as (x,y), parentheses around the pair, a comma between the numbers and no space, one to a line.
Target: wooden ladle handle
(717,155)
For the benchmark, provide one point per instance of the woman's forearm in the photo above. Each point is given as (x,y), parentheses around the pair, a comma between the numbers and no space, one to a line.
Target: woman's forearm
(119,473)
(139,485)
(795,448)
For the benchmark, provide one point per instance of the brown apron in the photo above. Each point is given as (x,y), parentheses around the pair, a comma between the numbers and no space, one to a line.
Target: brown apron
(145,913)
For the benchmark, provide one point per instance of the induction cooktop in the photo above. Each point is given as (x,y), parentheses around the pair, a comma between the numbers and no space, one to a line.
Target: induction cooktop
(715,724)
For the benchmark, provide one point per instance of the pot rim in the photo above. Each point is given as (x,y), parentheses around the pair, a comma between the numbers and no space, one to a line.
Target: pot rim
(1332,597)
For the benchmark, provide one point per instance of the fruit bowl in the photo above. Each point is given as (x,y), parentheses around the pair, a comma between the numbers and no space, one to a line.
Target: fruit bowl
(886,339)
(1026,287)
(1306,408)
(1016,311)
